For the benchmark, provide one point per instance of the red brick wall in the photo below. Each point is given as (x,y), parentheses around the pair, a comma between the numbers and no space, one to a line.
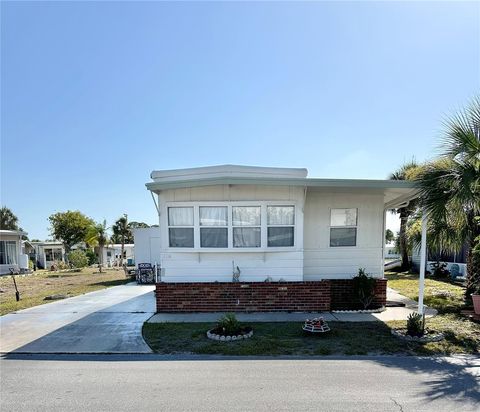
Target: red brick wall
(261,296)
(243,297)
(342,296)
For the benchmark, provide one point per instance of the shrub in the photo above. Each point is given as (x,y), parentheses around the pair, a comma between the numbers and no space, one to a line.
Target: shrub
(61,265)
(92,257)
(78,258)
(229,324)
(364,288)
(415,324)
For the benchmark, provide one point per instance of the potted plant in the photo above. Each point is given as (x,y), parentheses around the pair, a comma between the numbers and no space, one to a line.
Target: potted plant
(476,300)
(228,328)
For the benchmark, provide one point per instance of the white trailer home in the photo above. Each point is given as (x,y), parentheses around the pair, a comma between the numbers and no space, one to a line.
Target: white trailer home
(269,224)
(11,253)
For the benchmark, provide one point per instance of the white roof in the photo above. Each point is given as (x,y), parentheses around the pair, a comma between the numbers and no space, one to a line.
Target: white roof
(12,232)
(396,192)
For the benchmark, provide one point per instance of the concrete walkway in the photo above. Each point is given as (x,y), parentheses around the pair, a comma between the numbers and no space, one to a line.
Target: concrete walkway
(105,321)
(391,313)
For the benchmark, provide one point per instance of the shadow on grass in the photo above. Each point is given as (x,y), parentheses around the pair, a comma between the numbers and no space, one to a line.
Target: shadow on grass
(108,283)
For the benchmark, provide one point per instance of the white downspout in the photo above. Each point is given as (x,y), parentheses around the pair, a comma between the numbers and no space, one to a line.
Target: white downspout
(423,263)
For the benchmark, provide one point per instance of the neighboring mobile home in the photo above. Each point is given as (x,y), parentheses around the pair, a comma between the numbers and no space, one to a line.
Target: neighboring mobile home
(270,224)
(11,253)
(49,252)
(112,254)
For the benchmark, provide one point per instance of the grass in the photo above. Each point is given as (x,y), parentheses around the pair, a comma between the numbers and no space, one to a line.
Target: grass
(345,338)
(287,338)
(34,288)
(441,295)
(281,338)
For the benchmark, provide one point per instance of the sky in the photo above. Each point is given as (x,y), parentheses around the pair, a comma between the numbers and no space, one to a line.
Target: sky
(96,95)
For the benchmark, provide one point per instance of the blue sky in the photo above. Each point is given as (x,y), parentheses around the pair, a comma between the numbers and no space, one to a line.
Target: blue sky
(97,95)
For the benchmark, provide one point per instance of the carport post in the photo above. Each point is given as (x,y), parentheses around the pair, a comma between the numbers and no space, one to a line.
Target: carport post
(423,263)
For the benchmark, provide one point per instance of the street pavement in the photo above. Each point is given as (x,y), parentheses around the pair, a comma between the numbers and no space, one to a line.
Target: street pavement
(108,321)
(166,383)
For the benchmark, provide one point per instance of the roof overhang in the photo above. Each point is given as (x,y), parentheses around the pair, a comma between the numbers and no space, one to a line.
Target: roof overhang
(396,193)
(13,232)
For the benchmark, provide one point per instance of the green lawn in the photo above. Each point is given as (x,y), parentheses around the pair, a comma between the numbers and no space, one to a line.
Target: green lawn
(287,338)
(34,288)
(443,296)
(345,338)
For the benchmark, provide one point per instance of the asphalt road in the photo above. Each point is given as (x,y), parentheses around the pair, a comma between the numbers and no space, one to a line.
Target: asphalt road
(149,382)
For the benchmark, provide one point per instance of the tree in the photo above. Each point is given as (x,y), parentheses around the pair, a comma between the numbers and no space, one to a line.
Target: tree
(8,221)
(69,227)
(136,225)
(97,236)
(78,258)
(450,187)
(406,172)
(389,236)
(122,232)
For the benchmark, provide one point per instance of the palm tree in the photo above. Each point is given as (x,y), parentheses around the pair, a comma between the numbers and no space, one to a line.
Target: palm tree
(8,221)
(97,236)
(121,231)
(450,188)
(405,172)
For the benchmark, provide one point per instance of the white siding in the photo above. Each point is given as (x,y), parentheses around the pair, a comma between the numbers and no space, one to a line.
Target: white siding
(312,258)
(322,261)
(147,245)
(205,266)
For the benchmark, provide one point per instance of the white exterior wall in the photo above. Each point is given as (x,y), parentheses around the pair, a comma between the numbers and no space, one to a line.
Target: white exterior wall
(321,260)
(41,257)
(147,245)
(256,264)
(5,269)
(116,250)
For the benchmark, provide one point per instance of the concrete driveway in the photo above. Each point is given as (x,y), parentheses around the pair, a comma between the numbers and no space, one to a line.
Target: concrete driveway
(105,321)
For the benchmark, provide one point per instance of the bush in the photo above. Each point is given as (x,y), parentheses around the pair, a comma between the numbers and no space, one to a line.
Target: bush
(92,257)
(78,258)
(364,288)
(229,324)
(415,324)
(60,265)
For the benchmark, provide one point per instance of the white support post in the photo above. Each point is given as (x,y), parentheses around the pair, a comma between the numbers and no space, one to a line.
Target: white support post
(423,263)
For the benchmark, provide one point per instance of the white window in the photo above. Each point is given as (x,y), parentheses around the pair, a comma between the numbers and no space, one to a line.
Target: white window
(230,225)
(180,230)
(8,252)
(280,226)
(214,226)
(343,227)
(247,230)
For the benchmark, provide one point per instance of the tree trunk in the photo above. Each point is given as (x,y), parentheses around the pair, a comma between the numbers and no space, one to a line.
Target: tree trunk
(403,240)
(100,257)
(473,269)
(121,254)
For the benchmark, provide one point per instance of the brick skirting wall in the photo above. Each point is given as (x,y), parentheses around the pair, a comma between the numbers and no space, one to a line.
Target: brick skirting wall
(315,296)
(342,296)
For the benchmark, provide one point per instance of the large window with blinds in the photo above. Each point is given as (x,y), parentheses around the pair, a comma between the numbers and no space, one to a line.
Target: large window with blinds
(231,226)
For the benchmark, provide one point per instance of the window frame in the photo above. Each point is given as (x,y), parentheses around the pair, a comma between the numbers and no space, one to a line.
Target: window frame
(169,226)
(330,227)
(210,227)
(230,204)
(259,226)
(6,254)
(269,225)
